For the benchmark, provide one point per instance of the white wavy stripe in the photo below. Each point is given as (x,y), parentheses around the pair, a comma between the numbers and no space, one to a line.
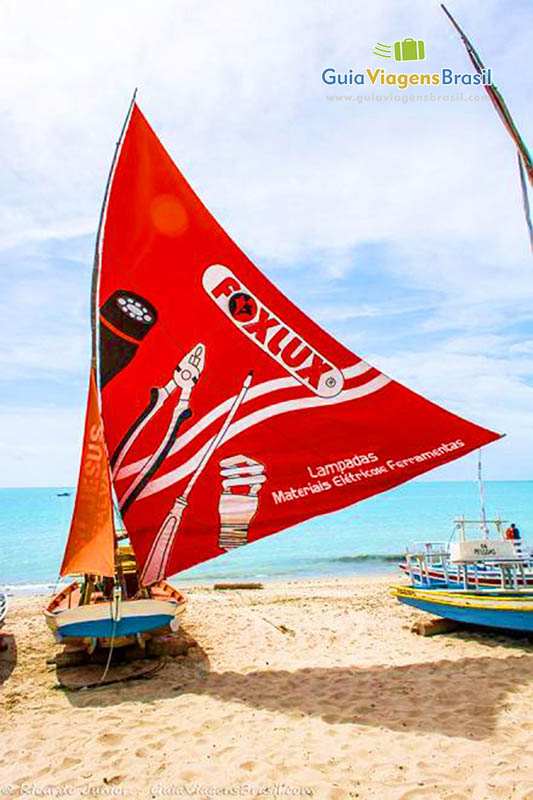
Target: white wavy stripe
(253,392)
(158,484)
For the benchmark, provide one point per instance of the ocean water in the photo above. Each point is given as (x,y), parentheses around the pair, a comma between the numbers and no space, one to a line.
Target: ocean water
(369,537)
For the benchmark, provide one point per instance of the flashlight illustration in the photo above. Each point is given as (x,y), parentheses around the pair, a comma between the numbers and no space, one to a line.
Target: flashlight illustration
(125,319)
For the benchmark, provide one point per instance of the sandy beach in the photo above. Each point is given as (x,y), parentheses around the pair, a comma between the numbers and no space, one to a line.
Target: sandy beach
(340,700)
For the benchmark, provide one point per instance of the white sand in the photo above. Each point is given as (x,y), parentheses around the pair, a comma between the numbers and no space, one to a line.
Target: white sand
(352,705)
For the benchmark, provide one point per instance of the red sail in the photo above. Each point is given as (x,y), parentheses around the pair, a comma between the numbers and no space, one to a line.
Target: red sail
(230,415)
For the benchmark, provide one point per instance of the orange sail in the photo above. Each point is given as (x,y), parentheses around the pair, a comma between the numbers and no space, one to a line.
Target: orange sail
(91,543)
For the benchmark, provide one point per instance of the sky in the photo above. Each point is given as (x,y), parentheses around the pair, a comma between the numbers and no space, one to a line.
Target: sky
(398,226)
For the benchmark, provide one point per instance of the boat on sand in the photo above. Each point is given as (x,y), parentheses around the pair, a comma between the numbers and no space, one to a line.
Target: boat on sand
(509,610)
(218,413)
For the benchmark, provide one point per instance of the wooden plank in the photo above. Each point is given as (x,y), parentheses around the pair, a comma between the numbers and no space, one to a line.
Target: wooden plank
(432,627)
(225,586)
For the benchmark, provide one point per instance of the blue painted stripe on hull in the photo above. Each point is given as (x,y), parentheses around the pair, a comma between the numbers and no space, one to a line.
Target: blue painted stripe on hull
(127,626)
(512,620)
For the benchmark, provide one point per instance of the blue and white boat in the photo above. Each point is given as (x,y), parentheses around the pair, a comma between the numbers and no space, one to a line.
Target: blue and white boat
(84,611)
(489,559)
(109,605)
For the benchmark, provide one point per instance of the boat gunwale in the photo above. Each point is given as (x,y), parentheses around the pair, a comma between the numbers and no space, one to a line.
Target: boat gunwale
(450,597)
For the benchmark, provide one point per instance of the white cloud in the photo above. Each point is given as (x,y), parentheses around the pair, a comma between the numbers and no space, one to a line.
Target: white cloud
(233,89)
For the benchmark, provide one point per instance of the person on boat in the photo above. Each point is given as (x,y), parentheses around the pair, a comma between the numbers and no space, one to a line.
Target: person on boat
(512,533)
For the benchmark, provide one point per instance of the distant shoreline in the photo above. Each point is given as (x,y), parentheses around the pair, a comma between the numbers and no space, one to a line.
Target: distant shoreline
(366,539)
(46,588)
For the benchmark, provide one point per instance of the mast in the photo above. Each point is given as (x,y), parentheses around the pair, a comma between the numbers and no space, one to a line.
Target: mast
(525,162)
(496,98)
(484,527)
(99,233)
(95,285)
(525,198)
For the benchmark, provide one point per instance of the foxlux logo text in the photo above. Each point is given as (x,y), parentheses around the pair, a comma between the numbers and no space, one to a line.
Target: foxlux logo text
(379,77)
(274,336)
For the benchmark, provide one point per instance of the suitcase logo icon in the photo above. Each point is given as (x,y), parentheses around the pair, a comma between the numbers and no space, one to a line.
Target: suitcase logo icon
(409,50)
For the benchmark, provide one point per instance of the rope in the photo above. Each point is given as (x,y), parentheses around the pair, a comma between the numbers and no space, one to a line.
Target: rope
(114,609)
(102,679)
(54,588)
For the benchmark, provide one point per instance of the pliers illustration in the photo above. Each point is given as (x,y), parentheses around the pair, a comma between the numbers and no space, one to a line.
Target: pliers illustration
(184,378)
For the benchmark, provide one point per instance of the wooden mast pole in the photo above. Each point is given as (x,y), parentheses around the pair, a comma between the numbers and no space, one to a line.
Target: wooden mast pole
(95,282)
(97,249)
(496,98)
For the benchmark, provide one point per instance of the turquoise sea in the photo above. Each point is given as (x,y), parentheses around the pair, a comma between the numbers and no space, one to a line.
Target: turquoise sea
(366,538)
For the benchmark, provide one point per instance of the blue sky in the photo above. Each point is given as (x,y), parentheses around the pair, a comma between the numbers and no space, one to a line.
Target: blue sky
(397,226)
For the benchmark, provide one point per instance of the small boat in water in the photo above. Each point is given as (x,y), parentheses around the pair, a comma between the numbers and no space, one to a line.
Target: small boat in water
(510,610)
(63,494)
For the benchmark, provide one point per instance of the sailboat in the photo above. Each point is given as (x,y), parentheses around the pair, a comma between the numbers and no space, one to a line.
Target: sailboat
(467,561)
(107,602)
(218,412)
(478,554)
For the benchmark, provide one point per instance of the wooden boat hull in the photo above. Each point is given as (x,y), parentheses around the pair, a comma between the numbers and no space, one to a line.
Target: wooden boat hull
(67,620)
(454,577)
(506,610)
